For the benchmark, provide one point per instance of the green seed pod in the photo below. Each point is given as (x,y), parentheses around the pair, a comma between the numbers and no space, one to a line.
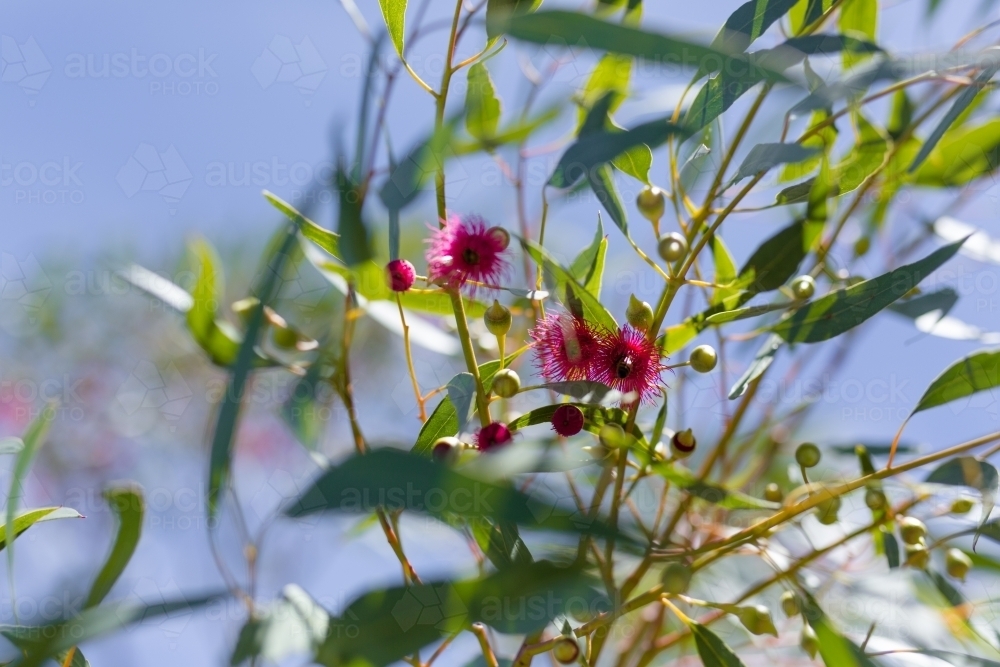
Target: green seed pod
(682,444)
(962,505)
(808,640)
(506,383)
(826,511)
(703,358)
(612,436)
(772,493)
(807,455)
(790,604)
(803,287)
(566,650)
(757,619)
(912,530)
(957,563)
(917,556)
(639,313)
(672,246)
(497,319)
(875,499)
(651,203)
(676,578)
(285,338)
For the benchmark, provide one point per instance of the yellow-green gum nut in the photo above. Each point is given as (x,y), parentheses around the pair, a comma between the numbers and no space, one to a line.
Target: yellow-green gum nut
(612,436)
(672,246)
(807,455)
(957,563)
(772,493)
(917,556)
(506,383)
(789,604)
(912,530)
(808,640)
(826,511)
(651,203)
(285,338)
(874,499)
(682,444)
(639,313)
(803,287)
(703,358)
(962,505)
(757,619)
(862,246)
(566,650)
(497,319)
(676,578)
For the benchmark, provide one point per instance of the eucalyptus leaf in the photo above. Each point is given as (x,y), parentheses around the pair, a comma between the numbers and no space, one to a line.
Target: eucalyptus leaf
(717,495)
(394,13)
(980,371)
(970,471)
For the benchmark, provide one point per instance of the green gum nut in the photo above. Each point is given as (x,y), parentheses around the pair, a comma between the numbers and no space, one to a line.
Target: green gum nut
(497,319)
(639,314)
(506,383)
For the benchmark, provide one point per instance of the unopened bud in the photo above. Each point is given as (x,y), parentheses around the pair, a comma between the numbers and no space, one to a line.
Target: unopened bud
(651,203)
(683,443)
(639,313)
(506,383)
(497,319)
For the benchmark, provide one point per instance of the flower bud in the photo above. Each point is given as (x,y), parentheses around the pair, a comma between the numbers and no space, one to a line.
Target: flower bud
(285,338)
(703,358)
(789,604)
(957,563)
(683,443)
(827,509)
(676,578)
(917,556)
(566,650)
(497,319)
(962,505)
(506,383)
(807,455)
(612,436)
(492,436)
(803,287)
(772,492)
(401,275)
(651,203)
(446,449)
(808,640)
(757,619)
(862,246)
(639,313)
(567,420)
(500,235)
(912,530)
(672,246)
(875,499)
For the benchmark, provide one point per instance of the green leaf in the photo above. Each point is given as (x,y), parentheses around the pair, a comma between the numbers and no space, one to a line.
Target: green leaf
(217,337)
(462,393)
(407,180)
(865,157)
(961,102)
(980,371)
(293,625)
(969,471)
(220,459)
(941,301)
(387,625)
(399,480)
(839,311)
(636,162)
(725,271)
(444,420)
(858,17)
(502,543)
(712,650)
(129,506)
(602,182)
(962,155)
(569,291)
(891,547)
(303,410)
(761,362)
(158,287)
(611,74)
(585,391)
(354,245)
(394,13)
(951,595)
(482,107)
(764,157)
(683,478)
(499,11)
(834,648)
(575,29)
(748,22)
(29,518)
(588,267)
(33,438)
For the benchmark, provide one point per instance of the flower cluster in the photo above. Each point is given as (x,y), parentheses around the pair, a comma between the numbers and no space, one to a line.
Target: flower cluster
(570,348)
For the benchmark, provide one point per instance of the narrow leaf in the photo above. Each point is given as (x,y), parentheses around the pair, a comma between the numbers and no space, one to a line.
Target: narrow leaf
(129,506)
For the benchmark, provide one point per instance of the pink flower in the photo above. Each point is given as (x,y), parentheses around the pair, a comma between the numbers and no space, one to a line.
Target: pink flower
(628,362)
(401,275)
(467,250)
(565,347)
(492,436)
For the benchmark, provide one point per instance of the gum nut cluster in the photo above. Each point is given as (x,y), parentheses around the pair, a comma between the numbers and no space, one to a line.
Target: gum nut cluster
(401,275)
(568,348)
(467,253)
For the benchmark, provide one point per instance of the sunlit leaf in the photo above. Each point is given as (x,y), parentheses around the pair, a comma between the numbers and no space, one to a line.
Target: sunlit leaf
(764,157)
(588,267)
(858,17)
(482,107)
(293,625)
(761,362)
(33,438)
(499,11)
(29,518)
(980,371)
(717,495)
(748,22)
(394,13)
(569,291)
(129,506)
(711,649)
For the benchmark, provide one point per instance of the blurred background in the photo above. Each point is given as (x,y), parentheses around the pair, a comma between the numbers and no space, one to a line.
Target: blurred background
(130,128)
